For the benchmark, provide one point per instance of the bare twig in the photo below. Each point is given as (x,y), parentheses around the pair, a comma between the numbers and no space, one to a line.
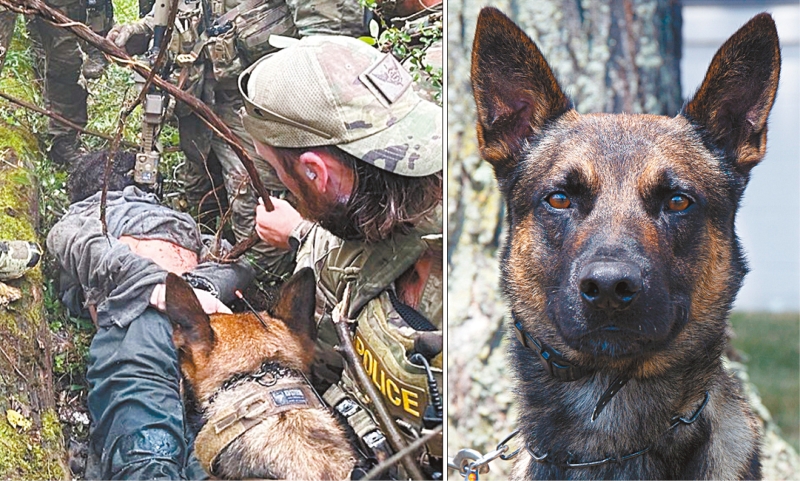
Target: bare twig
(13,365)
(241,247)
(340,321)
(59,118)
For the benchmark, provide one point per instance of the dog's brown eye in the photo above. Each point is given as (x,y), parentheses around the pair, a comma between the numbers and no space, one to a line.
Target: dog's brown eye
(678,203)
(559,200)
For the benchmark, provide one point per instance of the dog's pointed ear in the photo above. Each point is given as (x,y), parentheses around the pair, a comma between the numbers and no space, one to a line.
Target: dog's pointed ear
(297,302)
(515,90)
(733,102)
(191,325)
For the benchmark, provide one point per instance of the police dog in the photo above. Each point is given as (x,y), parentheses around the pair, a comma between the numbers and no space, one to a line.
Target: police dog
(247,373)
(621,261)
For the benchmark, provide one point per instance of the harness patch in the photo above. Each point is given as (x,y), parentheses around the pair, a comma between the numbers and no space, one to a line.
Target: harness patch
(286,397)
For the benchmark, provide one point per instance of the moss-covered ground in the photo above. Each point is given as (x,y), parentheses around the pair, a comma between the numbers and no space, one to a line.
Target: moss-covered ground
(33,438)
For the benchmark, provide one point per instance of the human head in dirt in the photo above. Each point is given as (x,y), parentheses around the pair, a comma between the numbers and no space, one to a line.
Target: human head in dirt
(86,176)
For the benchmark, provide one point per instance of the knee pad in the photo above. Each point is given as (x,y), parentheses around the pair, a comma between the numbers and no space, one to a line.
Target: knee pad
(140,450)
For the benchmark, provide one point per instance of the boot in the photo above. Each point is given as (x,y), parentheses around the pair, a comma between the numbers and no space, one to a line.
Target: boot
(95,64)
(17,258)
(65,150)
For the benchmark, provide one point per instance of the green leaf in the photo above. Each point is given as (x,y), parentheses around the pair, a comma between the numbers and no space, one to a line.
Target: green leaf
(374,28)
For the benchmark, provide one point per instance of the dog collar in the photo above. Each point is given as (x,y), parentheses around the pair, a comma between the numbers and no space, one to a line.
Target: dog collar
(552,360)
(571,462)
(561,369)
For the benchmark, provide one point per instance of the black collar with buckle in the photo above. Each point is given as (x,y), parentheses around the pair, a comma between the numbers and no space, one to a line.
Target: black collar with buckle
(558,367)
(552,360)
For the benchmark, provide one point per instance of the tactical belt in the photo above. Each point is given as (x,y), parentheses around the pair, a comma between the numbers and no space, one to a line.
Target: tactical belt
(284,390)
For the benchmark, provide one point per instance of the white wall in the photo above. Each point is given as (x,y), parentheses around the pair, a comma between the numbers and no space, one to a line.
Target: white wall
(768,223)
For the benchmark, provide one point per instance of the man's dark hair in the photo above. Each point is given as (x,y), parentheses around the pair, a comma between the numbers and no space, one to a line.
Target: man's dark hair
(382,203)
(87,174)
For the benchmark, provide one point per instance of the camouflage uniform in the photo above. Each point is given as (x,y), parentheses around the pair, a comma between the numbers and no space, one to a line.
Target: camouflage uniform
(63,60)
(347,94)
(344,17)
(100,18)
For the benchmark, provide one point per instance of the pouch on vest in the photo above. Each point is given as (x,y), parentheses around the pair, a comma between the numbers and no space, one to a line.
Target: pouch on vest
(383,341)
(256,26)
(247,37)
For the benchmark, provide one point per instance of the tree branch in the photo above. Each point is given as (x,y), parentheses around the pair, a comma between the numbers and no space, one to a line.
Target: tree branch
(59,118)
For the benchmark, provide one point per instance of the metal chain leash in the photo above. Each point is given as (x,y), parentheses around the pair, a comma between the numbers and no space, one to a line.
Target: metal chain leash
(470,463)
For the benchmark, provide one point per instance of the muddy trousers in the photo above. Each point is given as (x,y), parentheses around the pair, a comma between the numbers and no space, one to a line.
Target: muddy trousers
(138,422)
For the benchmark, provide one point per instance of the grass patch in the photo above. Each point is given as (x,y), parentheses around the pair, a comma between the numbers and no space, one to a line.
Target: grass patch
(771,343)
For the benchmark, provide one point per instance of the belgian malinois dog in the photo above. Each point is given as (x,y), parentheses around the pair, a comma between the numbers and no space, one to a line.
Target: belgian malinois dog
(248,374)
(622,262)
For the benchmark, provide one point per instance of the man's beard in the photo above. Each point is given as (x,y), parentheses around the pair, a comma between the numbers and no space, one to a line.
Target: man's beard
(333,216)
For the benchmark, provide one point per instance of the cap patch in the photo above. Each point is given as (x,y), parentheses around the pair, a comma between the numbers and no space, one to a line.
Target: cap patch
(390,156)
(387,78)
(358,124)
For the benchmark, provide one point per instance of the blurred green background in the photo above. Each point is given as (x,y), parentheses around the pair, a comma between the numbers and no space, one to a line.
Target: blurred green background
(771,346)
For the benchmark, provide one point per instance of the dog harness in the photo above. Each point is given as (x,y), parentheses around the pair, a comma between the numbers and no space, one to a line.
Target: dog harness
(284,390)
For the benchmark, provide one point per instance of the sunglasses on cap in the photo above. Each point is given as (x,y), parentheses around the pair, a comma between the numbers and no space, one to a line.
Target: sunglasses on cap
(259,112)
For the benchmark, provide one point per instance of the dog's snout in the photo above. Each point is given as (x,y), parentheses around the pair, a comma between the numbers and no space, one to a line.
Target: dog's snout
(610,285)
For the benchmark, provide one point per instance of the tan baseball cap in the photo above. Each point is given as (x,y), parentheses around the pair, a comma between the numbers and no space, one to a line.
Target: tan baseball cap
(336,90)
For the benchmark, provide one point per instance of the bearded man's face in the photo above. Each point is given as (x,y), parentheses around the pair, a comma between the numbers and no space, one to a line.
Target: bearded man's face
(332,213)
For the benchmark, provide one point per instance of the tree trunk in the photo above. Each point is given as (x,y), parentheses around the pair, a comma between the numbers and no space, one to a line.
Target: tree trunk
(615,56)
(31,441)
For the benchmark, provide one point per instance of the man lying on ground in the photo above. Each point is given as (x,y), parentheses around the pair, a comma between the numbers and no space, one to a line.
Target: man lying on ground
(138,422)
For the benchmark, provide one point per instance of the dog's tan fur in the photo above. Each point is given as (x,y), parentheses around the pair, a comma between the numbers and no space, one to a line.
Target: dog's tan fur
(615,177)
(297,444)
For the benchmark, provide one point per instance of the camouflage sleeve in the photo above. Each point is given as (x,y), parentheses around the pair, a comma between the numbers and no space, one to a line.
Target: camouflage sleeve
(111,276)
(315,17)
(315,246)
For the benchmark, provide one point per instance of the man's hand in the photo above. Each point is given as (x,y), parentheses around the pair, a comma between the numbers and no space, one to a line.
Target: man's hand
(274,227)
(211,305)
(133,37)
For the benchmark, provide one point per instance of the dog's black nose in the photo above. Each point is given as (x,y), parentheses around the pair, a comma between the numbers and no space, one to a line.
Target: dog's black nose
(610,285)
